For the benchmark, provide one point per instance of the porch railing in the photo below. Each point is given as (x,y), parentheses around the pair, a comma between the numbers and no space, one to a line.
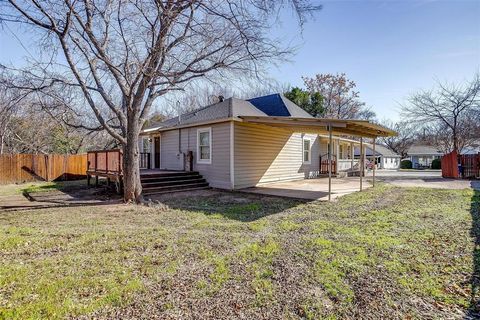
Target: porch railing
(111,161)
(105,161)
(145,160)
(324,164)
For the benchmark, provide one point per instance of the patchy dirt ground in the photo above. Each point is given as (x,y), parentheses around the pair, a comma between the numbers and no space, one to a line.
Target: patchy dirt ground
(30,196)
(386,253)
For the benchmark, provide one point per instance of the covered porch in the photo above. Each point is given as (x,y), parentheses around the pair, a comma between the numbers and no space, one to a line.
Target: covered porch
(336,155)
(343,159)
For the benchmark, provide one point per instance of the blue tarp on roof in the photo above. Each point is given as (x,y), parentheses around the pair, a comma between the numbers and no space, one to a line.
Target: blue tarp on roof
(272,105)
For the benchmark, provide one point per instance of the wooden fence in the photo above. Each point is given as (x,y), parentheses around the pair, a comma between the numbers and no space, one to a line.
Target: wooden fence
(450,165)
(469,166)
(19,168)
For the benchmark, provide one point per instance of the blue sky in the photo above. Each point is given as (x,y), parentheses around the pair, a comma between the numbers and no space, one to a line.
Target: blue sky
(390,48)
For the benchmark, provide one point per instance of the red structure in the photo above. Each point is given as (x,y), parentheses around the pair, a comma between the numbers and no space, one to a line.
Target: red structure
(450,165)
(469,165)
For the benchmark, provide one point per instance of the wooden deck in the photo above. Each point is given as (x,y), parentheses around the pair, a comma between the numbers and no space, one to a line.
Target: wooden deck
(107,164)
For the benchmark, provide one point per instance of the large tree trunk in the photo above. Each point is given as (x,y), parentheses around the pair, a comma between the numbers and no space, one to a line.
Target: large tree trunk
(455,140)
(132,187)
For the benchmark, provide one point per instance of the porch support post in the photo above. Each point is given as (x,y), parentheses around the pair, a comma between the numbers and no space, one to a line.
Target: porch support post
(152,152)
(352,155)
(374,160)
(362,164)
(329,163)
(337,152)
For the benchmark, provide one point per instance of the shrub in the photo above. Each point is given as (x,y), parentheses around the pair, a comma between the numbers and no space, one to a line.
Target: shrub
(406,164)
(436,164)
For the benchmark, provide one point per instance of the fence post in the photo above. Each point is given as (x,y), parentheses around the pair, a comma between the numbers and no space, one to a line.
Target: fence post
(47,161)
(119,161)
(96,161)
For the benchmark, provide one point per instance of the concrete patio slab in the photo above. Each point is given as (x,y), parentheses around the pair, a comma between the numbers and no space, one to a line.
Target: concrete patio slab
(310,189)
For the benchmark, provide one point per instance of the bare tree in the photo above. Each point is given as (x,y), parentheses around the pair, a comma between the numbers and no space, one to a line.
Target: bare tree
(438,134)
(61,130)
(6,113)
(402,141)
(449,113)
(124,55)
(340,98)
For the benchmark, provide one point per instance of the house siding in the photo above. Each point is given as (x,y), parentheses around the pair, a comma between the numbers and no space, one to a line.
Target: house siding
(169,158)
(217,173)
(266,154)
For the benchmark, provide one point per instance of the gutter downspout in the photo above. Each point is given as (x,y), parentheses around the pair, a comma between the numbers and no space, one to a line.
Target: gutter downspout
(374,160)
(180,156)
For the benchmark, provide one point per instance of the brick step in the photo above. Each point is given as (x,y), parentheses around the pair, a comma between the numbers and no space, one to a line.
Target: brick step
(175,188)
(160,183)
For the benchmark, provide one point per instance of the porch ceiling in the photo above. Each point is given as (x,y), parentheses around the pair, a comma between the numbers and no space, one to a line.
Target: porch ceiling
(359,128)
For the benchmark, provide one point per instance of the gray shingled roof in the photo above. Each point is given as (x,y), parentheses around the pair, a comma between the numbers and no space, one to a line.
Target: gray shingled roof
(384,151)
(424,150)
(379,150)
(228,108)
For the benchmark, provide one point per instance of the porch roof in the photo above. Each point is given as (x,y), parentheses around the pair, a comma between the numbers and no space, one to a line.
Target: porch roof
(359,128)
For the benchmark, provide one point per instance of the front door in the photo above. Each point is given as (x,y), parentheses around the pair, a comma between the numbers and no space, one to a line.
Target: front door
(156,141)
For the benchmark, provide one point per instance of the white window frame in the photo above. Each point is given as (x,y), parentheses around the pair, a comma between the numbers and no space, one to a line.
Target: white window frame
(309,150)
(203,130)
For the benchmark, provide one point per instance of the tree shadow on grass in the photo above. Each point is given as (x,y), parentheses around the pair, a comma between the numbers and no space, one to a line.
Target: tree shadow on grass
(232,205)
(474,309)
(57,195)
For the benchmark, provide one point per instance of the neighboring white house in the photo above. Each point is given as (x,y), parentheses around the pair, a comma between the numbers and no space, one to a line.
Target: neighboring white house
(423,155)
(238,143)
(385,158)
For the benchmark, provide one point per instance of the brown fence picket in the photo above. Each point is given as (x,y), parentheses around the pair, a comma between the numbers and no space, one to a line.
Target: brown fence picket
(19,168)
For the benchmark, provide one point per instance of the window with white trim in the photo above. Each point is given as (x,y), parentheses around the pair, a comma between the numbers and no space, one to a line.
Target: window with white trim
(306,146)
(204,145)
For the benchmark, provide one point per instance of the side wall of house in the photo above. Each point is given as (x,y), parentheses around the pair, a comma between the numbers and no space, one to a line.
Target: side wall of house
(173,153)
(267,154)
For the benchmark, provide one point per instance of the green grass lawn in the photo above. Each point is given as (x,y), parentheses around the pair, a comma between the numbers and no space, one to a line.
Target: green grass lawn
(385,253)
